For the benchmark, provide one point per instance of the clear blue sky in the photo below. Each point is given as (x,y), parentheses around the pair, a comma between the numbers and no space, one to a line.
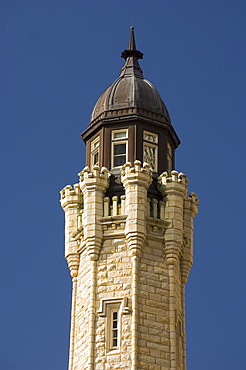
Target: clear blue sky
(57,58)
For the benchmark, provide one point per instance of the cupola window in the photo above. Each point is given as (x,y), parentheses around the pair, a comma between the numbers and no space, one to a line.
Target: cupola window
(150,146)
(119,147)
(169,157)
(95,151)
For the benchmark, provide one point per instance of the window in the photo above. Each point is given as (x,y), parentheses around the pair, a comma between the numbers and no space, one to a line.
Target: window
(114,329)
(150,147)
(113,325)
(95,151)
(112,310)
(169,157)
(119,147)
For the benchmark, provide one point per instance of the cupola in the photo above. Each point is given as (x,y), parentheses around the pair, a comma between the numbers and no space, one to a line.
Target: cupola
(130,121)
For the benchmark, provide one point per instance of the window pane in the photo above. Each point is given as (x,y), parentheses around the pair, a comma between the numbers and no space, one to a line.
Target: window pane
(119,135)
(96,144)
(114,342)
(95,158)
(119,160)
(115,333)
(115,315)
(119,149)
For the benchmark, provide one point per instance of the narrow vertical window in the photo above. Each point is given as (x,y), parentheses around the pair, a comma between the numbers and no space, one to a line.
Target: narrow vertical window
(150,147)
(114,329)
(113,326)
(169,157)
(119,147)
(95,151)
(112,310)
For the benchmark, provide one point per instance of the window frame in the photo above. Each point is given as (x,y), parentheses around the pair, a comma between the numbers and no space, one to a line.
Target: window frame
(169,156)
(111,309)
(95,150)
(107,307)
(118,141)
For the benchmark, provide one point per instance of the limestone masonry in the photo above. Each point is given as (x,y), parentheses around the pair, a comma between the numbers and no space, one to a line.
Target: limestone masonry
(129,239)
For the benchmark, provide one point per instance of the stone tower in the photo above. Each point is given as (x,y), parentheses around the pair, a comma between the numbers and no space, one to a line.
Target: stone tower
(129,233)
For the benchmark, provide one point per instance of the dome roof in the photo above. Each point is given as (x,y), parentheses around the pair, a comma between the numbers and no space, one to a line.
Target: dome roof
(131,94)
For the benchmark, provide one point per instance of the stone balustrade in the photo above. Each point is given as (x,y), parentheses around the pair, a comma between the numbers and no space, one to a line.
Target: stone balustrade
(115,206)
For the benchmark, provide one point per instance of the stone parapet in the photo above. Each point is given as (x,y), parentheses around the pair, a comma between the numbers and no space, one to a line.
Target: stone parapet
(70,196)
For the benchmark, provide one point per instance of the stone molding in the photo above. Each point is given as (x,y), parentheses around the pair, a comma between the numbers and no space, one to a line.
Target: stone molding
(102,312)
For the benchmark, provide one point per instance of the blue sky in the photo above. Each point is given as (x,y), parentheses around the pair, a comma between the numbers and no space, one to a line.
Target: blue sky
(57,58)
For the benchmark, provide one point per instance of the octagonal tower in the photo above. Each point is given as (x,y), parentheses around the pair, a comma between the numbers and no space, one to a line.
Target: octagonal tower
(129,233)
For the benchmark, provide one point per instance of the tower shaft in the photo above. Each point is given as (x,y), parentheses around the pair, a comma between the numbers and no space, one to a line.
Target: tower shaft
(134,258)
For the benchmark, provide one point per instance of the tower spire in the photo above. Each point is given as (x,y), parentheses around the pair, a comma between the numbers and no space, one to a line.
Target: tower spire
(131,56)
(132,43)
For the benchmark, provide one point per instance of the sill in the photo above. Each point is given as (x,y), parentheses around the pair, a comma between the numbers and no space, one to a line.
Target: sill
(113,351)
(115,170)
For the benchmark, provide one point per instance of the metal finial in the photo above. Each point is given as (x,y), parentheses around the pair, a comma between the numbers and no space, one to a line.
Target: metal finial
(132,43)
(132,51)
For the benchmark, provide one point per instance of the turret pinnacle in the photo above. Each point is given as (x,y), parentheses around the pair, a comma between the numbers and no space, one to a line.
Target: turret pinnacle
(131,55)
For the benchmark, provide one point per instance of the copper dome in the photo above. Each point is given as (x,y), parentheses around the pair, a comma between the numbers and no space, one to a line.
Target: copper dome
(131,94)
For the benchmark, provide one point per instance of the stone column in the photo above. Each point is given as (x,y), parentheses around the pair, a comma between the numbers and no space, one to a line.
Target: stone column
(71,202)
(136,181)
(190,210)
(93,185)
(174,190)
